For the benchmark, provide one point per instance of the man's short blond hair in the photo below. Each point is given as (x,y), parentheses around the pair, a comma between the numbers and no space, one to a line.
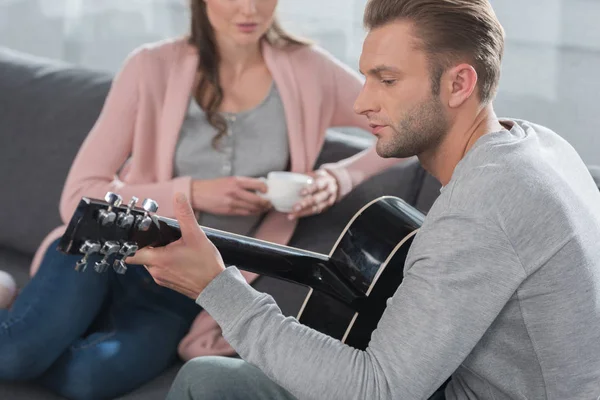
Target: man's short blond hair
(449,31)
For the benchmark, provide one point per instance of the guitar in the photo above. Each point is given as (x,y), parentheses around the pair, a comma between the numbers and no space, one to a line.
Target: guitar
(348,288)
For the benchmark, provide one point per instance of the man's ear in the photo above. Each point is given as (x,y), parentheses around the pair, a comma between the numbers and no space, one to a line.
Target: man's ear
(461,82)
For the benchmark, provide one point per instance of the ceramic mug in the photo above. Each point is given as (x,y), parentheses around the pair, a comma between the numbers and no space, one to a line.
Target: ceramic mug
(284,189)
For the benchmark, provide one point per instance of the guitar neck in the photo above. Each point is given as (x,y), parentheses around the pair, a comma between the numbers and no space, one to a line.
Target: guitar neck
(282,262)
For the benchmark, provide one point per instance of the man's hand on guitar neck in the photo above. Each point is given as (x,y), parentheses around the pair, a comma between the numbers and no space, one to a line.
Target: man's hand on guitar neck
(187,265)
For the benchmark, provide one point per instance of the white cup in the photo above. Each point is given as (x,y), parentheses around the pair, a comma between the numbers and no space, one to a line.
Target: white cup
(284,189)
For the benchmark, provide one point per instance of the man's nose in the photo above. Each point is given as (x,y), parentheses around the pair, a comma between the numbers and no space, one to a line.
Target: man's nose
(364,103)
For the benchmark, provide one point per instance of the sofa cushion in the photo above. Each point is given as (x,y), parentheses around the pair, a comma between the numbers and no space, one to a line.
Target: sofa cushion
(47,110)
(26,391)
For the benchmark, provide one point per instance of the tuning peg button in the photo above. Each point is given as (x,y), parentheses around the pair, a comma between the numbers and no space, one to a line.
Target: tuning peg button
(120,267)
(144,222)
(132,202)
(150,206)
(125,219)
(113,199)
(108,216)
(128,249)
(108,249)
(101,267)
(87,248)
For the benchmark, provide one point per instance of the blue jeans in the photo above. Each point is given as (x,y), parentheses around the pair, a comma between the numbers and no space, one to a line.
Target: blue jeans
(86,335)
(220,378)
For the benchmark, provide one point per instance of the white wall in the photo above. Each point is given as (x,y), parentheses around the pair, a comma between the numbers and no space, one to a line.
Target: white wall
(550,73)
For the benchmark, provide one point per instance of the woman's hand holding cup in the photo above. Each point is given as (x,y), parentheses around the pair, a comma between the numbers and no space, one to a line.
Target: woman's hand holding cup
(318,196)
(232,195)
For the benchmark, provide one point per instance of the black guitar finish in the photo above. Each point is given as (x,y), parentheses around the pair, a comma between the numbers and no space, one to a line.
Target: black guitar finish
(349,288)
(370,254)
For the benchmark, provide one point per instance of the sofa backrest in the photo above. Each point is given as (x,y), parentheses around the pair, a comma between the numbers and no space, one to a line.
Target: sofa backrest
(46,110)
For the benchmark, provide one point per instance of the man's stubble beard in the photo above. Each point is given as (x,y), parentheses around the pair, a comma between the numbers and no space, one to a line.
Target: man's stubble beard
(421,129)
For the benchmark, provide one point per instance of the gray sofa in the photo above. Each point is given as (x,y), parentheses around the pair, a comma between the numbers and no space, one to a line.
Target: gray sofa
(46,110)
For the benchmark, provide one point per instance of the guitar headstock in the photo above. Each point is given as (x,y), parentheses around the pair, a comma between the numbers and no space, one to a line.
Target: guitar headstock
(112,230)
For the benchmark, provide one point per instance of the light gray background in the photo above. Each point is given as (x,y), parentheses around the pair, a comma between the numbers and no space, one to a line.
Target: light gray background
(550,73)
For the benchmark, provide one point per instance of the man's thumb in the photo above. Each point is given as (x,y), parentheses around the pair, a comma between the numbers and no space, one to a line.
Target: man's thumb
(186,217)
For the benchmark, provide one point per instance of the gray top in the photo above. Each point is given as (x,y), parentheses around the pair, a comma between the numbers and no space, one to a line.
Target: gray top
(256,143)
(501,291)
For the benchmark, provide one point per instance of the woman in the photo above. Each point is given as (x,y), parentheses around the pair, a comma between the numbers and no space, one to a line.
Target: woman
(207,116)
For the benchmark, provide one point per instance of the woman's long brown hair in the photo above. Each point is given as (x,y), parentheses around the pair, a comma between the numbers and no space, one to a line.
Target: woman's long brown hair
(209,93)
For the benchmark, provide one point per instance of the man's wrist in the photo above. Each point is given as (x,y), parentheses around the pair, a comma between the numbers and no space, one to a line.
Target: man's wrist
(226,295)
(211,277)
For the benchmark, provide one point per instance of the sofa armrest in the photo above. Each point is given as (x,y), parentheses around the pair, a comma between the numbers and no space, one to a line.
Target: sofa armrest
(47,109)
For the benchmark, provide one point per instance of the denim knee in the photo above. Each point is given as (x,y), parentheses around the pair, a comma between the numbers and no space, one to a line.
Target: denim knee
(19,363)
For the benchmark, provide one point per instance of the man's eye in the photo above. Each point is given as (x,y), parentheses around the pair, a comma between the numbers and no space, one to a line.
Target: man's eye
(388,82)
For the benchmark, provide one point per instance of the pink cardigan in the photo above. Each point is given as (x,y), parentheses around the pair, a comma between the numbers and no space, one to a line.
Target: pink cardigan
(131,147)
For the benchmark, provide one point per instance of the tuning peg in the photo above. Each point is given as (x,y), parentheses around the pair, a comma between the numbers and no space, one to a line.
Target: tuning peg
(88,248)
(150,205)
(125,219)
(108,249)
(144,222)
(120,267)
(127,250)
(113,199)
(108,216)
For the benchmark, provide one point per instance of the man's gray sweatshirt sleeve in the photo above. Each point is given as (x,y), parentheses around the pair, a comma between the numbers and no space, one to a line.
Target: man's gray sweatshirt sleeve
(463,273)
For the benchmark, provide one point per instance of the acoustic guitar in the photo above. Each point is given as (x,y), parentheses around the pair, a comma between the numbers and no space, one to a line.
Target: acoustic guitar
(348,288)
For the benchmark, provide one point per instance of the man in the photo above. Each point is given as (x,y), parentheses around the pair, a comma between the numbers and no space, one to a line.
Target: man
(502,284)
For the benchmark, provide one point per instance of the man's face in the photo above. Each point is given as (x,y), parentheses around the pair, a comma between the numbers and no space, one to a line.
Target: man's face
(404,114)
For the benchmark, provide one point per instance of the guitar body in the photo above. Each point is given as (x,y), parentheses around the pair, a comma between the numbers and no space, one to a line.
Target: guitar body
(370,254)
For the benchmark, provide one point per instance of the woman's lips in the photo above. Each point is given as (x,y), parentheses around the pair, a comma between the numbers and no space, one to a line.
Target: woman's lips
(247,27)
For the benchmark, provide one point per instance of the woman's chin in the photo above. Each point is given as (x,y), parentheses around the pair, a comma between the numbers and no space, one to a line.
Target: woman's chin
(245,39)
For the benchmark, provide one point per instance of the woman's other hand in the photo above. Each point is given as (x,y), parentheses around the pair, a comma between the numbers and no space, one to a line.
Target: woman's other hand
(319,196)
